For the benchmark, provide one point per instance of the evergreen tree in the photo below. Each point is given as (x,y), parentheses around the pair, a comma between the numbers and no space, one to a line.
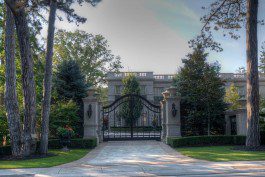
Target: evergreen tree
(131,86)
(230,16)
(70,82)
(202,94)
(70,85)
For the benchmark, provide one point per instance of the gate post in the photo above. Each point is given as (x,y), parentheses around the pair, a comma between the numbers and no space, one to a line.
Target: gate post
(91,116)
(171,113)
(163,120)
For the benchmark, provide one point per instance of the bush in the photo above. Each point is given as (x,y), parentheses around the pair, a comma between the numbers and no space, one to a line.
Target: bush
(5,150)
(75,143)
(83,143)
(55,144)
(206,141)
(62,114)
(3,124)
(66,132)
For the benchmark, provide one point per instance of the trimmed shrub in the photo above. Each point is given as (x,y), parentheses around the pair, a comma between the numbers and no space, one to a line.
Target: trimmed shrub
(75,143)
(64,114)
(206,141)
(5,150)
(3,125)
(55,144)
(83,143)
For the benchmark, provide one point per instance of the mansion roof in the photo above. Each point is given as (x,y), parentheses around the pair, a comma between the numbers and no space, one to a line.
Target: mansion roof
(169,77)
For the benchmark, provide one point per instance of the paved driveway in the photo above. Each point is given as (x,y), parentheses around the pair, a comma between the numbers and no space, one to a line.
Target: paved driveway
(142,158)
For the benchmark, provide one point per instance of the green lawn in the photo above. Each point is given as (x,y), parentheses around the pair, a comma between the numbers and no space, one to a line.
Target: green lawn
(221,153)
(60,158)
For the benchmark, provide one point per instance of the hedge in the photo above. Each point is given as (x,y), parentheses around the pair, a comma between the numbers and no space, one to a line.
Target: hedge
(5,150)
(75,143)
(206,141)
(55,144)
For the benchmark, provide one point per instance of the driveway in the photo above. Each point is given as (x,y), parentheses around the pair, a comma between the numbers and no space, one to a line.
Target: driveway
(142,158)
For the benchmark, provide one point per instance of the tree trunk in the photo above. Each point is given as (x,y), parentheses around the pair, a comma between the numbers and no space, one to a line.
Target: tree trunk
(47,83)
(28,83)
(253,134)
(11,100)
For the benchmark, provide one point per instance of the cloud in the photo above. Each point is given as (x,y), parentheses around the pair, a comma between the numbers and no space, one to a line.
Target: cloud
(133,32)
(177,15)
(153,34)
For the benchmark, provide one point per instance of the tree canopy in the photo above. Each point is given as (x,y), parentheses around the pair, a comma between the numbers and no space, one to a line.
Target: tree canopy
(69,82)
(232,96)
(202,93)
(131,113)
(230,16)
(90,51)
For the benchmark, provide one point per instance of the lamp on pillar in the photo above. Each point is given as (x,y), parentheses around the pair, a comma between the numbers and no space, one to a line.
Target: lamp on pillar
(174,110)
(89,111)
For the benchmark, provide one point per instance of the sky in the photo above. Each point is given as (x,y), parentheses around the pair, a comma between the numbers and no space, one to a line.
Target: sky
(153,35)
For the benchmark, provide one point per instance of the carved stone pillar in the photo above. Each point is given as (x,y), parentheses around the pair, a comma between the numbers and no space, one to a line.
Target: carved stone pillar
(163,121)
(240,115)
(171,107)
(227,124)
(91,115)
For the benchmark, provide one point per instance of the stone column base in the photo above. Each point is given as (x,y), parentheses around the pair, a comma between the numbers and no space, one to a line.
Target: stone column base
(173,130)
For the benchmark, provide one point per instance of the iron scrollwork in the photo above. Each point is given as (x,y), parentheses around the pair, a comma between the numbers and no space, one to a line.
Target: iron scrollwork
(89,111)
(116,126)
(174,110)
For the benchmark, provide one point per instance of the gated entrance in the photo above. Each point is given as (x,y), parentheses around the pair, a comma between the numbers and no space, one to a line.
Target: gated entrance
(131,117)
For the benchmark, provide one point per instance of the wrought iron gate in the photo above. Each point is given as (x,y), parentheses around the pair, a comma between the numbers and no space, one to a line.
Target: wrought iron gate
(131,117)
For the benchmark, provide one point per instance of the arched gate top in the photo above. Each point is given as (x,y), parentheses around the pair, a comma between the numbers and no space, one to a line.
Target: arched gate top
(129,96)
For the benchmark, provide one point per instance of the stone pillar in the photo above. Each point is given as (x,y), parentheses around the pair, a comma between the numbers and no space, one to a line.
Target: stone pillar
(227,124)
(172,112)
(241,117)
(241,122)
(100,123)
(163,121)
(91,115)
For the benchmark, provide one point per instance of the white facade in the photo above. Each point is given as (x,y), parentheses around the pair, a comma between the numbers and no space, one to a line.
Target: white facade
(153,85)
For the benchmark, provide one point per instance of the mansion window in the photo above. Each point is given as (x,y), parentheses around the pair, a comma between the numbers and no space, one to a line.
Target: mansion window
(118,89)
(241,91)
(158,91)
(143,89)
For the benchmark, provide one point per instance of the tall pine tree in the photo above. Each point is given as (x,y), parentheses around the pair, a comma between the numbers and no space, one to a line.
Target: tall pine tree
(70,82)
(70,85)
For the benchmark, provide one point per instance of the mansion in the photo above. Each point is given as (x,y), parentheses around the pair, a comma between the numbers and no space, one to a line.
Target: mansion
(152,85)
